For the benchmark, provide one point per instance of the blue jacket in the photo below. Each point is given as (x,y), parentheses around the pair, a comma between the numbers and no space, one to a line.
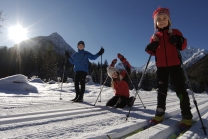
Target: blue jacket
(80,60)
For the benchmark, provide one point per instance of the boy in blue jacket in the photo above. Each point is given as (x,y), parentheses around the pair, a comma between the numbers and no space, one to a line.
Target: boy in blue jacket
(80,60)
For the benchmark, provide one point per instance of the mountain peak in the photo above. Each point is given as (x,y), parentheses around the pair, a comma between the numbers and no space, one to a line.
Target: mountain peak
(60,45)
(55,34)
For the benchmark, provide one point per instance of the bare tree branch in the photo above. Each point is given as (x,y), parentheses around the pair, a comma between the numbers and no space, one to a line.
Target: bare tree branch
(1,19)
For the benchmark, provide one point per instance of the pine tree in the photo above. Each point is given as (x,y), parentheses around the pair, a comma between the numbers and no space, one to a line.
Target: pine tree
(3,62)
(31,63)
(49,63)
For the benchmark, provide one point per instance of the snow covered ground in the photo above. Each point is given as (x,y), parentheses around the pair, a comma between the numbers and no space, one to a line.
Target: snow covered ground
(32,109)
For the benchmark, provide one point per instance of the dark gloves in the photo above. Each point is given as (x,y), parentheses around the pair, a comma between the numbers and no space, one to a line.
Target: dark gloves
(152,46)
(113,63)
(101,51)
(176,39)
(121,57)
(67,54)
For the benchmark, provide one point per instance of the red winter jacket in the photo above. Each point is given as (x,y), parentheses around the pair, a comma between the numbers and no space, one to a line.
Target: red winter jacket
(166,54)
(121,88)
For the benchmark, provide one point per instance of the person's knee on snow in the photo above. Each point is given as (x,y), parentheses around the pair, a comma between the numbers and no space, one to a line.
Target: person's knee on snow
(131,101)
(111,102)
(122,102)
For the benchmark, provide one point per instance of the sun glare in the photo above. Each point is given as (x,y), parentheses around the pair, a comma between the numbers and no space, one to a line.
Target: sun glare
(17,33)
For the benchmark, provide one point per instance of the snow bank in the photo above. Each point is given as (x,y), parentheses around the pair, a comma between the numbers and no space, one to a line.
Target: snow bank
(17,83)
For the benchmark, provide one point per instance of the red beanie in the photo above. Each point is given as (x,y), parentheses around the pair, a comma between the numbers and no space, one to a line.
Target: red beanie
(158,12)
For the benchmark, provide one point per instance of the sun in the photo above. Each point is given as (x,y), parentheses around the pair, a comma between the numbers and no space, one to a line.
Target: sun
(17,33)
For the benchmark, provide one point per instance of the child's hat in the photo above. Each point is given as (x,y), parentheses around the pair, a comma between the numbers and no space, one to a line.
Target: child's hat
(158,12)
(111,70)
(81,42)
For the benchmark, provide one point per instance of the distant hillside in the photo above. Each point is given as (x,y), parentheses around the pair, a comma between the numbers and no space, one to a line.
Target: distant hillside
(199,70)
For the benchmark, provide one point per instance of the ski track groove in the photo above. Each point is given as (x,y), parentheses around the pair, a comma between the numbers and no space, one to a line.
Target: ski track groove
(59,131)
(48,114)
(80,108)
(43,115)
(14,105)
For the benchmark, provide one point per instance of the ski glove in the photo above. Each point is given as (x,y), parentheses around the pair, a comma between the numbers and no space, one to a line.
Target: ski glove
(121,57)
(152,46)
(176,39)
(67,54)
(113,63)
(101,51)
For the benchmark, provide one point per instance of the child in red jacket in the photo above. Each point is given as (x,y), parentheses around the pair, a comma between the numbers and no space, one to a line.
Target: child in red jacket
(119,84)
(164,45)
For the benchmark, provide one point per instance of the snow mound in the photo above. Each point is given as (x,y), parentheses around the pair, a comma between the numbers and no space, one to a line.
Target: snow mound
(18,78)
(16,83)
(51,82)
(89,80)
(36,80)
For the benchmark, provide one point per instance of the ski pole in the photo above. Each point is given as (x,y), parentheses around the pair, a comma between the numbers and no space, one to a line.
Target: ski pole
(62,78)
(133,85)
(101,90)
(100,76)
(119,100)
(190,87)
(140,82)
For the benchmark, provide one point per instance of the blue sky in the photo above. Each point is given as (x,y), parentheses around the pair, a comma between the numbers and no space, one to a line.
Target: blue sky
(120,26)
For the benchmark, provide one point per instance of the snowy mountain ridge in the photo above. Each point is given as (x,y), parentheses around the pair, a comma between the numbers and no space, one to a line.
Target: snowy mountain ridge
(189,56)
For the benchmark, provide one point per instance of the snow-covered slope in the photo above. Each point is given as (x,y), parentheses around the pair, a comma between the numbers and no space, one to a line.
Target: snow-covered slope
(191,55)
(42,115)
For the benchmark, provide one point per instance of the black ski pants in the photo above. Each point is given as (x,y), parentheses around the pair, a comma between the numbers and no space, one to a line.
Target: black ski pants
(79,79)
(177,76)
(118,101)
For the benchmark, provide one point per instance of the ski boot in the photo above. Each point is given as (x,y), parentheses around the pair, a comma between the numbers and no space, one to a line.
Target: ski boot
(159,116)
(79,99)
(74,98)
(185,124)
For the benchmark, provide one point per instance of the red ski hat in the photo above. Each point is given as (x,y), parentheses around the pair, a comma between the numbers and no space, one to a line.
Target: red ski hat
(158,12)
